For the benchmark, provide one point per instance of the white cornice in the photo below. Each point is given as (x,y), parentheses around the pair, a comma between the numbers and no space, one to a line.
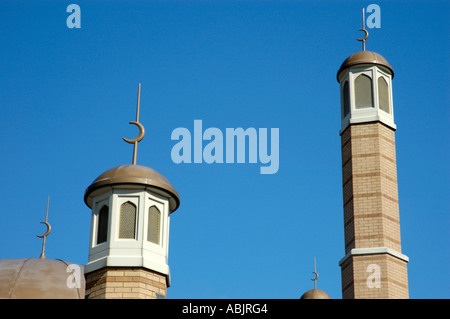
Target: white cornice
(373,251)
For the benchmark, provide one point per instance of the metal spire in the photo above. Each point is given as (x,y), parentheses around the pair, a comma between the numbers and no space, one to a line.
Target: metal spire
(317,275)
(49,228)
(136,140)
(366,33)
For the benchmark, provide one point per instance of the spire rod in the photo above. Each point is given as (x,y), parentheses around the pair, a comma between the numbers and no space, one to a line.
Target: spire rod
(49,228)
(366,33)
(317,275)
(136,140)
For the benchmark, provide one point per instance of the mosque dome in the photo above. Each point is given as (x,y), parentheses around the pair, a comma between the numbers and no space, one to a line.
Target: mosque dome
(137,175)
(365,57)
(34,278)
(315,294)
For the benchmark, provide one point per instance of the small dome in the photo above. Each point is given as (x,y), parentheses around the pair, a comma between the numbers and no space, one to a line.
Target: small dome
(133,174)
(33,278)
(315,294)
(365,57)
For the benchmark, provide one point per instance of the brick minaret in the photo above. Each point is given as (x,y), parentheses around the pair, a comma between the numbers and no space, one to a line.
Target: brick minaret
(129,242)
(373,265)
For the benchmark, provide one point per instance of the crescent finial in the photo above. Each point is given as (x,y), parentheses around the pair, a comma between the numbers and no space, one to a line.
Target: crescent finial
(317,275)
(366,33)
(49,229)
(47,232)
(139,138)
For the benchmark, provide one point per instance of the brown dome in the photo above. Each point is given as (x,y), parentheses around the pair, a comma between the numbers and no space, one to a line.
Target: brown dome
(315,294)
(365,57)
(33,278)
(133,174)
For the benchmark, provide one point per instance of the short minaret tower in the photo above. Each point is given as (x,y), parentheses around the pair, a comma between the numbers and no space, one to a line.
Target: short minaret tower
(129,241)
(373,266)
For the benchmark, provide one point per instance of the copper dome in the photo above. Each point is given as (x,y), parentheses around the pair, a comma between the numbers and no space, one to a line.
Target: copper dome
(33,278)
(137,175)
(315,294)
(365,57)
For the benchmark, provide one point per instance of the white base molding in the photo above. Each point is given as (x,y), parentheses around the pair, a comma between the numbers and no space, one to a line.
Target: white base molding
(373,251)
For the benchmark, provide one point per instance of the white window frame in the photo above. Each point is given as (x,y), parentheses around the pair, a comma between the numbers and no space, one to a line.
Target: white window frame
(103,201)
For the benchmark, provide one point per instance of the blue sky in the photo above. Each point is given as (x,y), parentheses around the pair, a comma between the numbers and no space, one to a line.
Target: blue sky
(67,96)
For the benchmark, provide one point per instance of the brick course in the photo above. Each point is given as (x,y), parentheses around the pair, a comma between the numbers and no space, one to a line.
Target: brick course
(125,283)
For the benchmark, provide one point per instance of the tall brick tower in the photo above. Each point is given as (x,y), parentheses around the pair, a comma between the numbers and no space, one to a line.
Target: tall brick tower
(129,242)
(373,265)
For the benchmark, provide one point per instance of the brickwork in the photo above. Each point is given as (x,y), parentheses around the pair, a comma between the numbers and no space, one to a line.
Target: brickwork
(125,283)
(371,211)
(358,270)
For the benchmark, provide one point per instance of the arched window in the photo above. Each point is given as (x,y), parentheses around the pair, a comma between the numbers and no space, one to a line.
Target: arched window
(346,99)
(383,94)
(127,226)
(102,225)
(363,92)
(153,227)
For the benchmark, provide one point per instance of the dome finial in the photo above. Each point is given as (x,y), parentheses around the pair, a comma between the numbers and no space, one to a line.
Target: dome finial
(366,33)
(317,275)
(49,229)
(315,293)
(136,140)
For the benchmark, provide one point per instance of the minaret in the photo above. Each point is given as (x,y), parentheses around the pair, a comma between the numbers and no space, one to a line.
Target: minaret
(129,241)
(373,265)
